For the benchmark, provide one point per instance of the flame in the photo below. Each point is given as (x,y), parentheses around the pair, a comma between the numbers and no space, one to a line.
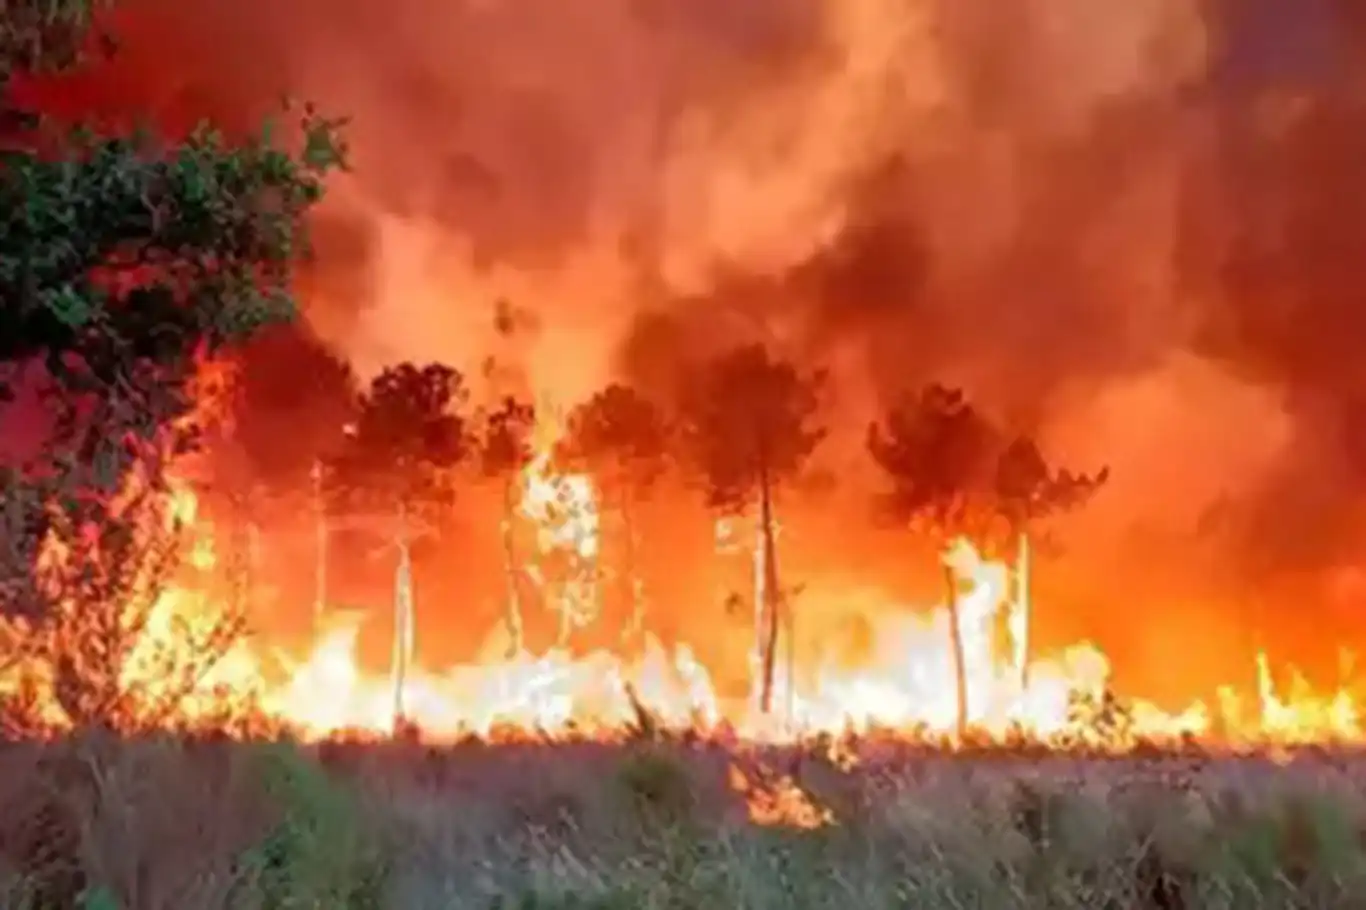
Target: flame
(779,802)
(905,685)
(563,508)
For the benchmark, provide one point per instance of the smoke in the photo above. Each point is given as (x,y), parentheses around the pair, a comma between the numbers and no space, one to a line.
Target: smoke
(1131,228)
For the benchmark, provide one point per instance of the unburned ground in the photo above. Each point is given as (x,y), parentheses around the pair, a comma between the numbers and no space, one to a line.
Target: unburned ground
(163,823)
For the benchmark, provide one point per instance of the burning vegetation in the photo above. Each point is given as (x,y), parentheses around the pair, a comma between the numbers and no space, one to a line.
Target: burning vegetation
(734,497)
(731,533)
(149,613)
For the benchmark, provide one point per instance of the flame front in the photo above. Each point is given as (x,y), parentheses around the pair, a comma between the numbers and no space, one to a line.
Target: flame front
(906,684)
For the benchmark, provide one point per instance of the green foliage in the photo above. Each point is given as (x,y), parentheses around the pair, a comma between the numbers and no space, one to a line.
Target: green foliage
(1002,831)
(321,854)
(123,259)
(100,898)
(121,251)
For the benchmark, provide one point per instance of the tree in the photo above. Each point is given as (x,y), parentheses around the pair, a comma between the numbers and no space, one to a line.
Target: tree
(505,453)
(396,470)
(1027,491)
(125,261)
(750,423)
(938,452)
(621,439)
(290,400)
(89,624)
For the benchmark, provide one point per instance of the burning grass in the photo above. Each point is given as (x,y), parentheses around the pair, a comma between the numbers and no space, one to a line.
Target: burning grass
(164,822)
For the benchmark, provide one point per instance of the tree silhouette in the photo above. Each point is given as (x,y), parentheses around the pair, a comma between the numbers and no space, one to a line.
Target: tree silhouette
(287,406)
(621,439)
(749,421)
(397,469)
(291,400)
(125,262)
(506,449)
(1027,491)
(938,452)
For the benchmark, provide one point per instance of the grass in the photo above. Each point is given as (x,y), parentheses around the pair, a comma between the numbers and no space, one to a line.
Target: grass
(200,825)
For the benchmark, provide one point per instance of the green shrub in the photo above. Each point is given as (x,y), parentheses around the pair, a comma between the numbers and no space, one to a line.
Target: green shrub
(321,855)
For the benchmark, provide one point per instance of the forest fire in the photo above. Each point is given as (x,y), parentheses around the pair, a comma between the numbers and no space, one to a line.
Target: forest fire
(474,457)
(850,254)
(904,687)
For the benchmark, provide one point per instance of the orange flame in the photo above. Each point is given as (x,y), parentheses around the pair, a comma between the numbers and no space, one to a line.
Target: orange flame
(905,684)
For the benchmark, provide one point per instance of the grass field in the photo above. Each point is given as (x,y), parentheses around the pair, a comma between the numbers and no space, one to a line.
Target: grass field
(174,825)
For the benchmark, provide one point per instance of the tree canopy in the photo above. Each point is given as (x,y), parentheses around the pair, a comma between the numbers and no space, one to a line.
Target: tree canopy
(124,258)
(938,452)
(1027,489)
(505,443)
(953,469)
(290,400)
(409,436)
(750,420)
(620,437)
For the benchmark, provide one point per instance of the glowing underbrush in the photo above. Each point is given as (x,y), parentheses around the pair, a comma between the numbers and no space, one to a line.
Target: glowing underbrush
(165,823)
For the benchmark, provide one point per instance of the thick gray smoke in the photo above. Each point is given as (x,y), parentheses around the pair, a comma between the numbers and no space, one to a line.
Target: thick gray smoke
(1134,228)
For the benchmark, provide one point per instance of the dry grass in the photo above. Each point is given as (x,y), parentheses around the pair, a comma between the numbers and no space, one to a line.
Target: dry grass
(168,824)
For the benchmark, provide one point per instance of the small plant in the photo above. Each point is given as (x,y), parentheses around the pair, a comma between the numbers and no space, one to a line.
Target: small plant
(100,898)
(1099,719)
(321,853)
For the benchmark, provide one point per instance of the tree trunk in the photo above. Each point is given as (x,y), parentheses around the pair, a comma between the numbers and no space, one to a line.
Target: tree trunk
(320,549)
(790,614)
(772,595)
(1023,610)
(960,669)
(513,607)
(404,633)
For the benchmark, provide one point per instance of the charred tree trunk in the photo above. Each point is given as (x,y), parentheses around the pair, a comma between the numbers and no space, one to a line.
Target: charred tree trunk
(772,594)
(404,637)
(513,607)
(960,669)
(790,615)
(320,546)
(1023,609)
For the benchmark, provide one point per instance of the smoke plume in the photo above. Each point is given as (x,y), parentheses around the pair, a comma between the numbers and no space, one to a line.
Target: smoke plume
(1132,228)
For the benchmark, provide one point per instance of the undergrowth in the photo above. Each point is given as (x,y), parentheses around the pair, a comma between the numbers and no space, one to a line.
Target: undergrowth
(172,825)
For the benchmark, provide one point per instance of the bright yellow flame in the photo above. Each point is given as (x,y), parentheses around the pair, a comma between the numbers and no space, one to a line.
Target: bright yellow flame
(564,511)
(905,684)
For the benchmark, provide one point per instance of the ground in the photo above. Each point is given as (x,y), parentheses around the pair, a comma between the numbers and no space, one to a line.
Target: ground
(158,824)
